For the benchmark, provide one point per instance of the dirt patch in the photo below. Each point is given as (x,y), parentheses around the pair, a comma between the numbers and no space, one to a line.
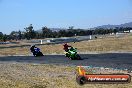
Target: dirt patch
(20,75)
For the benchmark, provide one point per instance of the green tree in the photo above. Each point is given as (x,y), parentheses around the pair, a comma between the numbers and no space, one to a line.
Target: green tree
(116,30)
(19,35)
(46,32)
(4,38)
(30,33)
(13,35)
(1,36)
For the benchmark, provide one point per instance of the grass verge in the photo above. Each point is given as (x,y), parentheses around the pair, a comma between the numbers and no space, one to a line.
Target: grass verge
(20,75)
(123,44)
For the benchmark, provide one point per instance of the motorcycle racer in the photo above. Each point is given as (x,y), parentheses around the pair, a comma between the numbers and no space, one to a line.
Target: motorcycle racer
(66,46)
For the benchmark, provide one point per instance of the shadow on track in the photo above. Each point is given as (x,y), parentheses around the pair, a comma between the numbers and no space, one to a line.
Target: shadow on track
(115,60)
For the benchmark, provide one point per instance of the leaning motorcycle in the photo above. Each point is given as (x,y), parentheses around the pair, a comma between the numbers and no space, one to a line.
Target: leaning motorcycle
(37,52)
(72,54)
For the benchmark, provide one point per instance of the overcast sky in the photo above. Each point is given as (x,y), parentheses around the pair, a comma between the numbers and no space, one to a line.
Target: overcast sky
(17,14)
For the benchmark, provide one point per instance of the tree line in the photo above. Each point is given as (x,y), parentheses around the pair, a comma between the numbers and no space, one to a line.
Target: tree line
(46,32)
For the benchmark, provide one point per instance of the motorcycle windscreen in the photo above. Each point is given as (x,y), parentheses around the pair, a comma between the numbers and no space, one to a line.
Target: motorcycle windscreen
(72,52)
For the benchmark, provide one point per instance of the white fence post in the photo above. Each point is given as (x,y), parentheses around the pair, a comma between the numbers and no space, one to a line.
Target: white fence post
(41,41)
(90,37)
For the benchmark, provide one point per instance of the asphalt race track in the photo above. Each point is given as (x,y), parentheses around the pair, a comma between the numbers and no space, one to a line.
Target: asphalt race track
(114,60)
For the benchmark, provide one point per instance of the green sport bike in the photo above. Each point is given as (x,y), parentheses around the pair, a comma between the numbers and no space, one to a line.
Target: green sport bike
(72,54)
